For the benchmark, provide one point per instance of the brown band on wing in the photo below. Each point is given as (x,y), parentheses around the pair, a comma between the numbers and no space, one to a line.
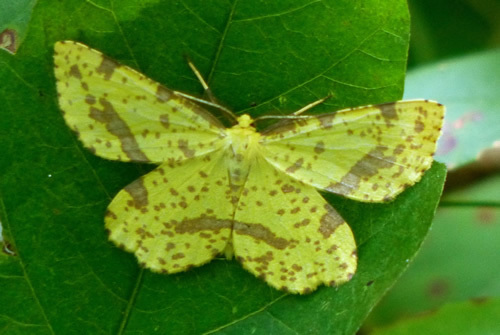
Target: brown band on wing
(261,233)
(191,226)
(367,166)
(330,221)
(107,67)
(116,126)
(138,192)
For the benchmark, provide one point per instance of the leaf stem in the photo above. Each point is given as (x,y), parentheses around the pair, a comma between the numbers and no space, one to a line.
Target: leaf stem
(131,302)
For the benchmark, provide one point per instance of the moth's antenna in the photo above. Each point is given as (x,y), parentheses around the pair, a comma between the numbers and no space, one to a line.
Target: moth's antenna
(202,81)
(208,103)
(312,104)
(208,92)
(296,115)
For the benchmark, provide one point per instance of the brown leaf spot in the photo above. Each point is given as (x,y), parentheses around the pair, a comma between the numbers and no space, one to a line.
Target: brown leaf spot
(9,40)
(486,215)
(439,288)
(8,248)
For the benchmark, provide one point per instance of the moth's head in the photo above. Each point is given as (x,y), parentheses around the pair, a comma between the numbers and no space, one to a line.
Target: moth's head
(244,121)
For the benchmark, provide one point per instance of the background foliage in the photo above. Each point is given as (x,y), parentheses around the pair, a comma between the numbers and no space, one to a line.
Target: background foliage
(59,275)
(452,287)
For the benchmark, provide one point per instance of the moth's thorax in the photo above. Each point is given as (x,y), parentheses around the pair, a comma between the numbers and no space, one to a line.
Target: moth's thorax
(243,136)
(243,141)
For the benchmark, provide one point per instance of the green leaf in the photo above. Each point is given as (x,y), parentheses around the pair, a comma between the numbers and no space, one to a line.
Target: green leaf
(443,29)
(14,21)
(476,317)
(457,261)
(279,56)
(483,192)
(468,87)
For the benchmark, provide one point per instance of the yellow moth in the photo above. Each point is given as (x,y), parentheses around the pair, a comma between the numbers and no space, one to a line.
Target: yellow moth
(235,190)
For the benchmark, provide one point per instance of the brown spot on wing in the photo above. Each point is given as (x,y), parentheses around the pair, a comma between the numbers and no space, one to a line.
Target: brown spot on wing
(178,256)
(164,120)
(389,112)
(107,67)
(284,126)
(297,165)
(400,148)
(90,99)
(163,94)
(75,72)
(287,188)
(419,126)
(320,147)
(184,147)
(199,111)
(326,120)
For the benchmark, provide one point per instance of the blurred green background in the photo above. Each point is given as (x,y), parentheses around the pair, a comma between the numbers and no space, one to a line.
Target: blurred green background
(453,285)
